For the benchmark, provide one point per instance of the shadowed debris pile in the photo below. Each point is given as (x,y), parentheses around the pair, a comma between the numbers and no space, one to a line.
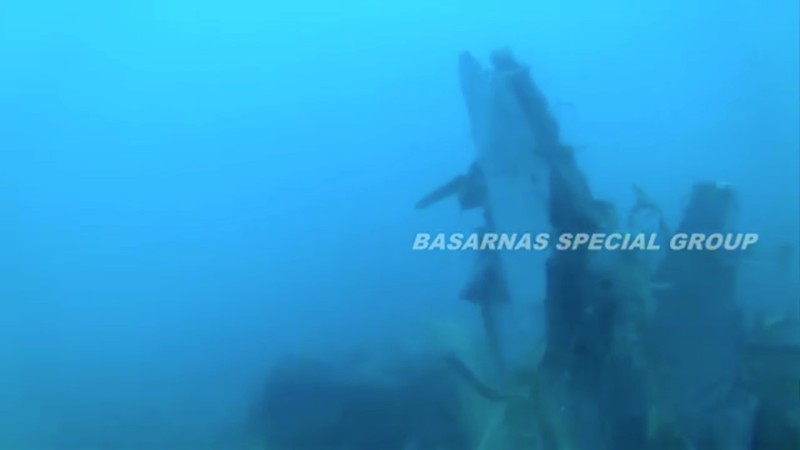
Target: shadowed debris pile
(308,405)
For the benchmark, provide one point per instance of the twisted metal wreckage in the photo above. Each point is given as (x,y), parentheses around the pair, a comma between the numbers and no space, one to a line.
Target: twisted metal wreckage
(634,358)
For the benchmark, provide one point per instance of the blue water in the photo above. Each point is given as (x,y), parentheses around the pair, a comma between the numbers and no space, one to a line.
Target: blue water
(191,189)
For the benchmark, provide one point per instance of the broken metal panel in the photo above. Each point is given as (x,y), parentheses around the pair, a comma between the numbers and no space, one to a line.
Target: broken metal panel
(697,332)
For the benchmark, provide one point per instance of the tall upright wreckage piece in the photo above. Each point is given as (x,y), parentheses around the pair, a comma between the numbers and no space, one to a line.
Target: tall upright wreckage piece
(637,355)
(626,365)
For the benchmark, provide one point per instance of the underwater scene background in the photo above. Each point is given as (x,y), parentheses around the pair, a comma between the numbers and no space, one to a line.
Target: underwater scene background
(208,211)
